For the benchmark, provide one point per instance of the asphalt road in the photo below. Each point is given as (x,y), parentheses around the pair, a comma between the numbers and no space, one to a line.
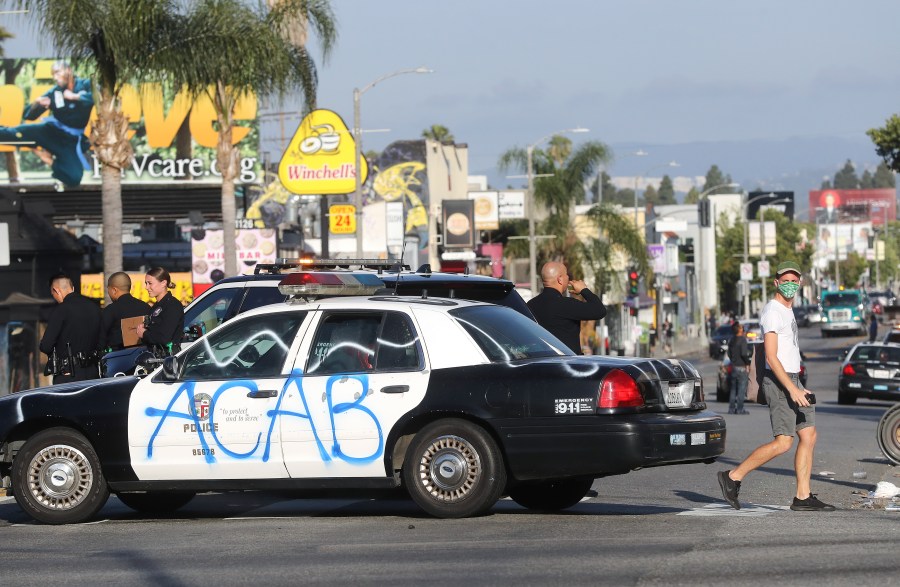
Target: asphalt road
(661,526)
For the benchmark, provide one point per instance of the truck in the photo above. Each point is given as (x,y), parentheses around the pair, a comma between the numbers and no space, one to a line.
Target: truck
(844,311)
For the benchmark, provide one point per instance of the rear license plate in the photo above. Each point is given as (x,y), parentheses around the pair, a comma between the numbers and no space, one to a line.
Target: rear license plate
(881,388)
(679,395)
(880,374)
(698,438)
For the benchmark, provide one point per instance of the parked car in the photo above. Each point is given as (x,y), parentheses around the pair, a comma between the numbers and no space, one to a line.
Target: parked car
(892,335)
(879,300)
(870,370)
(322,278)
(723,379)
(718,342)
(813,314)
(457,401)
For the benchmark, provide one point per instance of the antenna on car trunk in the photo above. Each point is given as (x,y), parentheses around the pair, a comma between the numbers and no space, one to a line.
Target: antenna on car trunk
(400,267)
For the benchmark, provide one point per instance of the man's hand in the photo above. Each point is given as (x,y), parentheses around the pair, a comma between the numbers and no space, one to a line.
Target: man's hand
(799,396)
(43,101)
(70,95)
(577,285)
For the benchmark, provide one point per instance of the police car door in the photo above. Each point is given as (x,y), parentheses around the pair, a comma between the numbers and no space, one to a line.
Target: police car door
(217,420)
(363,371)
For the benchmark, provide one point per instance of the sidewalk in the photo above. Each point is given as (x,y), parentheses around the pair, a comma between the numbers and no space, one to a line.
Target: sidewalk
(683,348)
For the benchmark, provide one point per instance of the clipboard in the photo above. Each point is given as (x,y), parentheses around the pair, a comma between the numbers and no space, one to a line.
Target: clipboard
(129,331)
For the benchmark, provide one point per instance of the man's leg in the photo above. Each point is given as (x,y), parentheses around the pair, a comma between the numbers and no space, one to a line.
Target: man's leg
(803,460)
(742,377)
(732,393)
(762,455)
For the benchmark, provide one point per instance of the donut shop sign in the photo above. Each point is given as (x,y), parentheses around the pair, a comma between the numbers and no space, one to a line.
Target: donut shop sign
(321,157)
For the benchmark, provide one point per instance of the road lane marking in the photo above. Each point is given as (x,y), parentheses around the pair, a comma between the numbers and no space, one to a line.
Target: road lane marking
(723,509)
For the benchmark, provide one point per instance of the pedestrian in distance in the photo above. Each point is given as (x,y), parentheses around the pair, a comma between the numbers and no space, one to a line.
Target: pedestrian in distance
(873,328)
(164,327)
(739,354)
(123,305)
(792,409)
(73,331)
(562,315)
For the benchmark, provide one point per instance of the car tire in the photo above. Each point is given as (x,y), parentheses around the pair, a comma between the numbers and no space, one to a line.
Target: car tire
(156,502)
(722,395)
(57,479)
(453,469)
(551,495)
(888,435)
(845,398)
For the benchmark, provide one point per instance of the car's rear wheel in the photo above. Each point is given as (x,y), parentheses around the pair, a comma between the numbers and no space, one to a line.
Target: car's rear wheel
(555,494)
(156,502)
(57,478)
(453,469)
(845,398)
(889,434)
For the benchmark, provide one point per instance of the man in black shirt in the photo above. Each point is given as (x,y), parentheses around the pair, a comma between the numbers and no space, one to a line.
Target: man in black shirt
(562,315)
(740,355)
(72,333)
(123,305)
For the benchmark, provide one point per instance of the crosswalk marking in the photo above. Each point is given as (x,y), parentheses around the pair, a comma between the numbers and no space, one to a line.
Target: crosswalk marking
(723,509)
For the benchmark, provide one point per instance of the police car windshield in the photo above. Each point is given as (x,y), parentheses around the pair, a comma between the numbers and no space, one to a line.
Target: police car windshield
(505,335)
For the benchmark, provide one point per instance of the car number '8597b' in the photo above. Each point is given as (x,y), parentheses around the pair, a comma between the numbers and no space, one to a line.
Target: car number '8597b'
(574,406)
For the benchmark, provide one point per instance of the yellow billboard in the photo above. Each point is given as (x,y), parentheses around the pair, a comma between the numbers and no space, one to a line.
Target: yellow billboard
(321,157)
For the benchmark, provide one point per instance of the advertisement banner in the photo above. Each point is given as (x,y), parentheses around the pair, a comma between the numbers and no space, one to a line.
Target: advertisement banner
(486,210)
(657,254)
(252,246)
(459,224)
(842,239)
(157,116)
(321,157)
(853,206)
(753,237)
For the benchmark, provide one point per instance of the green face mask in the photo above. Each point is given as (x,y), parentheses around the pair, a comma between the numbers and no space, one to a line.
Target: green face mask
(788,289)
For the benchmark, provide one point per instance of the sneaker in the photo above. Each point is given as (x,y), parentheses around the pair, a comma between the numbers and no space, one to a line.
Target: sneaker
(811,504)
(744,413)
(730,489)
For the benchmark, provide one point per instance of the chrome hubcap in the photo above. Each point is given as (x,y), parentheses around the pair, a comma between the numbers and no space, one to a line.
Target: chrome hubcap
(59,477)
(449,468)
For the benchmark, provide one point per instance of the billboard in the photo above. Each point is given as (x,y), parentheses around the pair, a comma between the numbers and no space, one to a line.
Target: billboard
(853,206)
(782,201)
(173,135)
(841,239)
(459,224)
(321,157)
(252,246)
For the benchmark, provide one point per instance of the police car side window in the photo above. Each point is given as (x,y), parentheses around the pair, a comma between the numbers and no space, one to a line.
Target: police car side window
(261,296)
(211,310)
(245,349)
(398,345)
(345,343)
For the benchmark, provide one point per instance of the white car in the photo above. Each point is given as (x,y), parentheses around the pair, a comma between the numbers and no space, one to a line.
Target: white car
(458,401)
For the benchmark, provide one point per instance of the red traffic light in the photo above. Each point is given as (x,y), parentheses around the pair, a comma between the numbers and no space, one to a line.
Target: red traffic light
(633,275)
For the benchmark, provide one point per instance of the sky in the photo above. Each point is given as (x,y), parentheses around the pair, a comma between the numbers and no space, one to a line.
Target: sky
(662,73)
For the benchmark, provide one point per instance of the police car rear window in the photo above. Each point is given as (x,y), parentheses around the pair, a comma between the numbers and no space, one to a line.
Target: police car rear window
(505,335)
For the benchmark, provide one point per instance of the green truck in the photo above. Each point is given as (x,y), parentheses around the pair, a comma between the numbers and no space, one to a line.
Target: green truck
(844,311)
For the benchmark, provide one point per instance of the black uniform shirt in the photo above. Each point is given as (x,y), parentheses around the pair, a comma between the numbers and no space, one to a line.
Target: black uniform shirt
(562,316)
(166,322)
(111,319)
(75,321)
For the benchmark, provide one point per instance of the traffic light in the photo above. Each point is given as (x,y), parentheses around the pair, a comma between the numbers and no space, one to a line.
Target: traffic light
(705,212)
(688,250)
(633,279)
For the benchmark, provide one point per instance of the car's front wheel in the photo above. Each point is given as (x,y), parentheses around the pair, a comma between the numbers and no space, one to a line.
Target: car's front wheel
(453,469)
(57,478)
(889,434)
(555,494)
(156,502)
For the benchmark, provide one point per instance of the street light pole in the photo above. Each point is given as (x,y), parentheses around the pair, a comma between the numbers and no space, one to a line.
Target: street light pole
(532,248)
(357,132)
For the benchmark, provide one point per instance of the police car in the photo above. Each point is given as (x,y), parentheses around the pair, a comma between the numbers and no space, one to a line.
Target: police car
(460,402)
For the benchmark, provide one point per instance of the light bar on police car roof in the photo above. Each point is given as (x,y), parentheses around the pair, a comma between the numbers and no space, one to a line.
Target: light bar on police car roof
(306,283)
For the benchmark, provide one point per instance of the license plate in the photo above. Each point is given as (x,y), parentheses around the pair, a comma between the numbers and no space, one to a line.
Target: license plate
(679,395)
(881,388)
(880,374)
(698,438)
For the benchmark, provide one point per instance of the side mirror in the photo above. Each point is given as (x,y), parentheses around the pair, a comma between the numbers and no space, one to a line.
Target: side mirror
(170,368)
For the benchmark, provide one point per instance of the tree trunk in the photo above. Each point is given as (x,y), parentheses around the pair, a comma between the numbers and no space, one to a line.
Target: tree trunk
(109,137)
(227,159)
(12,167)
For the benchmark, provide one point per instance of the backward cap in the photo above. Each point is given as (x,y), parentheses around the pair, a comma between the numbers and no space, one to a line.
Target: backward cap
(788,267)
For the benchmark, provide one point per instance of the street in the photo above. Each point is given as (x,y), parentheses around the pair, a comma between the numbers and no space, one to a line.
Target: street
(667,525)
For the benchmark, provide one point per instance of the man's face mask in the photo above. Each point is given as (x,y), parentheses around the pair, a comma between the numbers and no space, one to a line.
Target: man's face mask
(788,289)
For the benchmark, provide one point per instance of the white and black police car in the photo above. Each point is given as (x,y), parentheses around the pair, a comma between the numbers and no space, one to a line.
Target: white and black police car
(460,402)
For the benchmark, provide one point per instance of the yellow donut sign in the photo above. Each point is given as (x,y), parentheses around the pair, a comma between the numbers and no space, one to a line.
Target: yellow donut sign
(321,157)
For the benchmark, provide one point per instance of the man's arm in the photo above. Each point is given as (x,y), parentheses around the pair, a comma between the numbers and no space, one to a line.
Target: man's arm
(106,321)
(54,327)
(771,347)
(590,309)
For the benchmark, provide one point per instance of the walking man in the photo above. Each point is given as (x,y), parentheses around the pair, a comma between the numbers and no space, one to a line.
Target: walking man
(739,355)
(791,408)
(562,315)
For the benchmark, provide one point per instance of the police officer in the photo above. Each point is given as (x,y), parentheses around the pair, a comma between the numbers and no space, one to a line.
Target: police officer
(123,305)
(72,334)
(165,327)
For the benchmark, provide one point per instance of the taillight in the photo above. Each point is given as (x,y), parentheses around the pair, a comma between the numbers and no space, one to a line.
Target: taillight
(848,370)
(619,390)
(802,370)
(729,369)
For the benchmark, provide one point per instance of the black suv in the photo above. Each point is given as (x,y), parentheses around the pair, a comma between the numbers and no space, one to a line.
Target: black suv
(316,279)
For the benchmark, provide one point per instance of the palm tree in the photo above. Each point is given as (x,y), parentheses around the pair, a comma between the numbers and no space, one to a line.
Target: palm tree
(438,133)
(620,244)
(114,40)
(227,49)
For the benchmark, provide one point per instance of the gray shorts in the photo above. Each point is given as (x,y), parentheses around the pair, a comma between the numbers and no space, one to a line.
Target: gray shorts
(786,416)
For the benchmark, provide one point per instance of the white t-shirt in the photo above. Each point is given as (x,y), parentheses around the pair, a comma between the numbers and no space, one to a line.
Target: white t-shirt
(775,317)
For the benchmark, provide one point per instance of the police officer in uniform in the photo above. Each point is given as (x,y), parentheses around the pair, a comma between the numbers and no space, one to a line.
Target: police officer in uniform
(70,341)
(164,329)
(123,305)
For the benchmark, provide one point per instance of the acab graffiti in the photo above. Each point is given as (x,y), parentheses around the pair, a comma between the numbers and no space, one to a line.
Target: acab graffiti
(201,419)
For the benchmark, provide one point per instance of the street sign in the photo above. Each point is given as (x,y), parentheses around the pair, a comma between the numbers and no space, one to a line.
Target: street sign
(342,219)
(762,268)
(746,271)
